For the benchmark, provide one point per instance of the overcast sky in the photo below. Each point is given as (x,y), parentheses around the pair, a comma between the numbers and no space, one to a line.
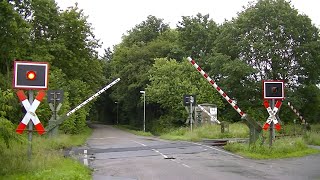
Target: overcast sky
(111,19)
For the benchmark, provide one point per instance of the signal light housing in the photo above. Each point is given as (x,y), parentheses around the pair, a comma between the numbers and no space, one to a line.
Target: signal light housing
(30,75)
(273,89)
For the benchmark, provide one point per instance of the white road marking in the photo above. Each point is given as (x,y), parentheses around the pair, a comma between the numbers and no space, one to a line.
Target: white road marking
(85,159)
(180,163)
(163,155)
(218,150)
(139,143)
(186,165)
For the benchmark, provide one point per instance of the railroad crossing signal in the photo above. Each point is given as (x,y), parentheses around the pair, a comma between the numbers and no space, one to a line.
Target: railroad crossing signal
(30,109)
(273,89)
(187,99)
(30,75)
(272,115)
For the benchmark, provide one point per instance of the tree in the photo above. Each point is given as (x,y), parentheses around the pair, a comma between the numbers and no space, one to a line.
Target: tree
(132,60)
(107,55)
(197,34)
(170,80)
(146,31)
(274,39)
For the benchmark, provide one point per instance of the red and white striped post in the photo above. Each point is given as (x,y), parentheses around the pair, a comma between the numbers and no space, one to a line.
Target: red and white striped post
(297,113)
(216,87)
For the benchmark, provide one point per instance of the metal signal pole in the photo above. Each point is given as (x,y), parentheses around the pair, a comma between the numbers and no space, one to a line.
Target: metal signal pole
(30,128)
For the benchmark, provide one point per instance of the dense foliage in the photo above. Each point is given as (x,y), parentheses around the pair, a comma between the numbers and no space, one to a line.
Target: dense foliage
(38,30)
(269,39)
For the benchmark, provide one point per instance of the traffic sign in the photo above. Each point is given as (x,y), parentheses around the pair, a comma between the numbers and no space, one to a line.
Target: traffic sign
(30,75)
(273,89)
(272,115)
(55,96)
(30,108)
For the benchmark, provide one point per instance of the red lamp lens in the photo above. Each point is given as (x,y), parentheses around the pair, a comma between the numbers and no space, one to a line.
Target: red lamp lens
(31,75)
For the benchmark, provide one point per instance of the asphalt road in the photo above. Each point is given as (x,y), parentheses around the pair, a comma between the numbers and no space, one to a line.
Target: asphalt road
(118,155)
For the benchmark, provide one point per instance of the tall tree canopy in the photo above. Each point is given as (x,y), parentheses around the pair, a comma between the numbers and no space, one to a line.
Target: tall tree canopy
(275,39)
(197,34)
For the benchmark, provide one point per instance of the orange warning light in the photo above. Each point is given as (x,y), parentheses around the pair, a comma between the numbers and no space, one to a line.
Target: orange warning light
(31,75)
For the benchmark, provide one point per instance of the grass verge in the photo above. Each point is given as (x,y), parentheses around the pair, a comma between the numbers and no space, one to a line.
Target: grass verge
(281,148)
(312,138)
(47,161)
(133,131)
(236,130)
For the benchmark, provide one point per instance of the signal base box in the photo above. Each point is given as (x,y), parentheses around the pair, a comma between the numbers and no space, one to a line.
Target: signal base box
(30,75)
(273,89)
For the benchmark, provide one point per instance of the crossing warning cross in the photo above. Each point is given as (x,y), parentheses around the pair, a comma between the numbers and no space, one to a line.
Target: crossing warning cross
(30,109)
(272,115)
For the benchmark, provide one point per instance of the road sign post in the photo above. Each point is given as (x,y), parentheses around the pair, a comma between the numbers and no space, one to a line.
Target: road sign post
(271,133)
(190,102)
(30,129)
(55,98)
(191,119)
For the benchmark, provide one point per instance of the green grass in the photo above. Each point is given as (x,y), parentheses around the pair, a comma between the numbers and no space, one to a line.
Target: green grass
(281,148)
(312,138)
(47,161)
(58,168)
(133,131)
(236,130)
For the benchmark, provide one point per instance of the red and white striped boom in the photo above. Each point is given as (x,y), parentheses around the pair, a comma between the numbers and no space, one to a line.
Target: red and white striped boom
(92,97)
(60,120)
(296,112)
(210,115)
(216,87)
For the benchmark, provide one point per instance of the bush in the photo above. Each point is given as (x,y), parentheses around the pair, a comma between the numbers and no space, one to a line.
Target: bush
(7,132)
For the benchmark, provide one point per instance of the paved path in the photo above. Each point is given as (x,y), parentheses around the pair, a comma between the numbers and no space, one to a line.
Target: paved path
(118,155)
